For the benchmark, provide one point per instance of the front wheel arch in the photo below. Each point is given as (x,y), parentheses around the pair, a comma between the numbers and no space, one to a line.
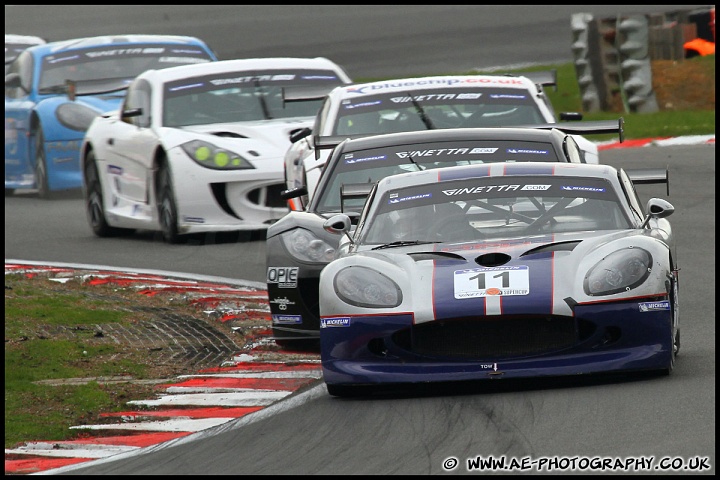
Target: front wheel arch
(165,201)
(42,181)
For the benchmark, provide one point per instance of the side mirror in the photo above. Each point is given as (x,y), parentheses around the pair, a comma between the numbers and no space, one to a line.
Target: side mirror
(298,135)
(657,208)
(294,193)
(131,112)
(339,224)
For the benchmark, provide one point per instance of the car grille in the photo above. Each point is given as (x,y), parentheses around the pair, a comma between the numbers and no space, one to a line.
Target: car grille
(493,337)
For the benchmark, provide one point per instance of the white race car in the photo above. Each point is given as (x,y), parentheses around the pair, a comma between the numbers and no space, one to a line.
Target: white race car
(425,103)
(199,148)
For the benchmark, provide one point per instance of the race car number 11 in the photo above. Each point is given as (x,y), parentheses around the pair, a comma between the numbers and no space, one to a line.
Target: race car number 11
(492,281)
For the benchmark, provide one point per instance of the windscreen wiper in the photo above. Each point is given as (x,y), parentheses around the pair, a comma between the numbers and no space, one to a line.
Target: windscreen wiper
(263,103)
(412,160)
(421,112)
(402,243)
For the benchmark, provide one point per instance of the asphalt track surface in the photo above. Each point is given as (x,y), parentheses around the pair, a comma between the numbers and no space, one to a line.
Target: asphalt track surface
(309,432)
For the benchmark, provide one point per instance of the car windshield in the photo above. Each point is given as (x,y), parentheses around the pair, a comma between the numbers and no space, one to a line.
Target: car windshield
(113,65)
(370,165)
(436,109)
(242,96)
(493,208)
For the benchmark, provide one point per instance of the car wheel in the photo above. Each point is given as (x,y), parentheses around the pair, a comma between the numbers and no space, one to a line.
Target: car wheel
(94,205)
(167,209)
(346,391)
(674,328)
(304,345)
(675,303)
(41,179)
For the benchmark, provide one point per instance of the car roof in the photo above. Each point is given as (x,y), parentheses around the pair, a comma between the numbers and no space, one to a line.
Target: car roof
(269,63)
(89,42)
(11,38)
(535,169)
(401,85)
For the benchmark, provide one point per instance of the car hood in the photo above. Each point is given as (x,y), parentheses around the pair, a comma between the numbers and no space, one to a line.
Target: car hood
(276,132)
(101,103)
(556,266)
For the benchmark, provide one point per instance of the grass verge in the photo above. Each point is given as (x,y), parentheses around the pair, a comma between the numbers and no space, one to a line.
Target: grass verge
(59,331)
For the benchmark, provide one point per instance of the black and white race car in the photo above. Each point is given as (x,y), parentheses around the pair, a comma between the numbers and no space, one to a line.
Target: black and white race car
(298,247)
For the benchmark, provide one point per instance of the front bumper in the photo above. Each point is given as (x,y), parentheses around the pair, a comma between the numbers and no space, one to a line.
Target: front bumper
(382,350)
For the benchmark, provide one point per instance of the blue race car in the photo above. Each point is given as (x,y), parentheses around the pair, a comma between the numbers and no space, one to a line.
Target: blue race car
(53,92)
(14,44)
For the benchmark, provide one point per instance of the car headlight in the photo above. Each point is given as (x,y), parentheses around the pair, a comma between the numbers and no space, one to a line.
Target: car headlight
(75,116)
(364,287)
(618,272)
(305,246)
(211,156)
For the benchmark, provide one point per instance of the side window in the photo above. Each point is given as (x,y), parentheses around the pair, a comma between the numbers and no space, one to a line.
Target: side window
(546,101)
(631,193)
(23,66)
(321,117)
(138,97)
(573,152)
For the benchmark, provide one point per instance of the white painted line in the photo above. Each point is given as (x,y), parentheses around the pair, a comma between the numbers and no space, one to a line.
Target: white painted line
(210,390)
(245,399)
(290,403)
(70,451)
(180,424)
(685,140)
(192,276)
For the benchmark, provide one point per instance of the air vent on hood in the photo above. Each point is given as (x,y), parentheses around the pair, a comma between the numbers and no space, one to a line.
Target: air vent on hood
(493,259)
(229,134)
(420,256)
(554,247)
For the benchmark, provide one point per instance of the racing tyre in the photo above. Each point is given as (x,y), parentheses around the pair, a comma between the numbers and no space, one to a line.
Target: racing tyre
(345,391)
(674,328)
(94,201)
(167,209)
(41,179)
(304,345)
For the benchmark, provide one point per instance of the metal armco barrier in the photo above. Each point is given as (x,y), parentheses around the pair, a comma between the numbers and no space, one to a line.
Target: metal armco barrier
(613,56)
(636,71)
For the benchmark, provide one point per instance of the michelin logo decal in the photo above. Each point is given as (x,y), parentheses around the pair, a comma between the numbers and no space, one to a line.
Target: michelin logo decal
(653,306)
(335,322)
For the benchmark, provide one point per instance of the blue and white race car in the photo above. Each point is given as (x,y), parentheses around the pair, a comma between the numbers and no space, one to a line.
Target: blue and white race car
(200,148)
(500,271)
(53,92)
(425,103)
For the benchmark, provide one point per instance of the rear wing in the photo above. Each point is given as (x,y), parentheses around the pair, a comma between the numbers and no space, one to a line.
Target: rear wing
(585,127)
(331,141)
(644,176)
(578,128)
(546,78)
(305,94)
(72,90)
(354,191)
